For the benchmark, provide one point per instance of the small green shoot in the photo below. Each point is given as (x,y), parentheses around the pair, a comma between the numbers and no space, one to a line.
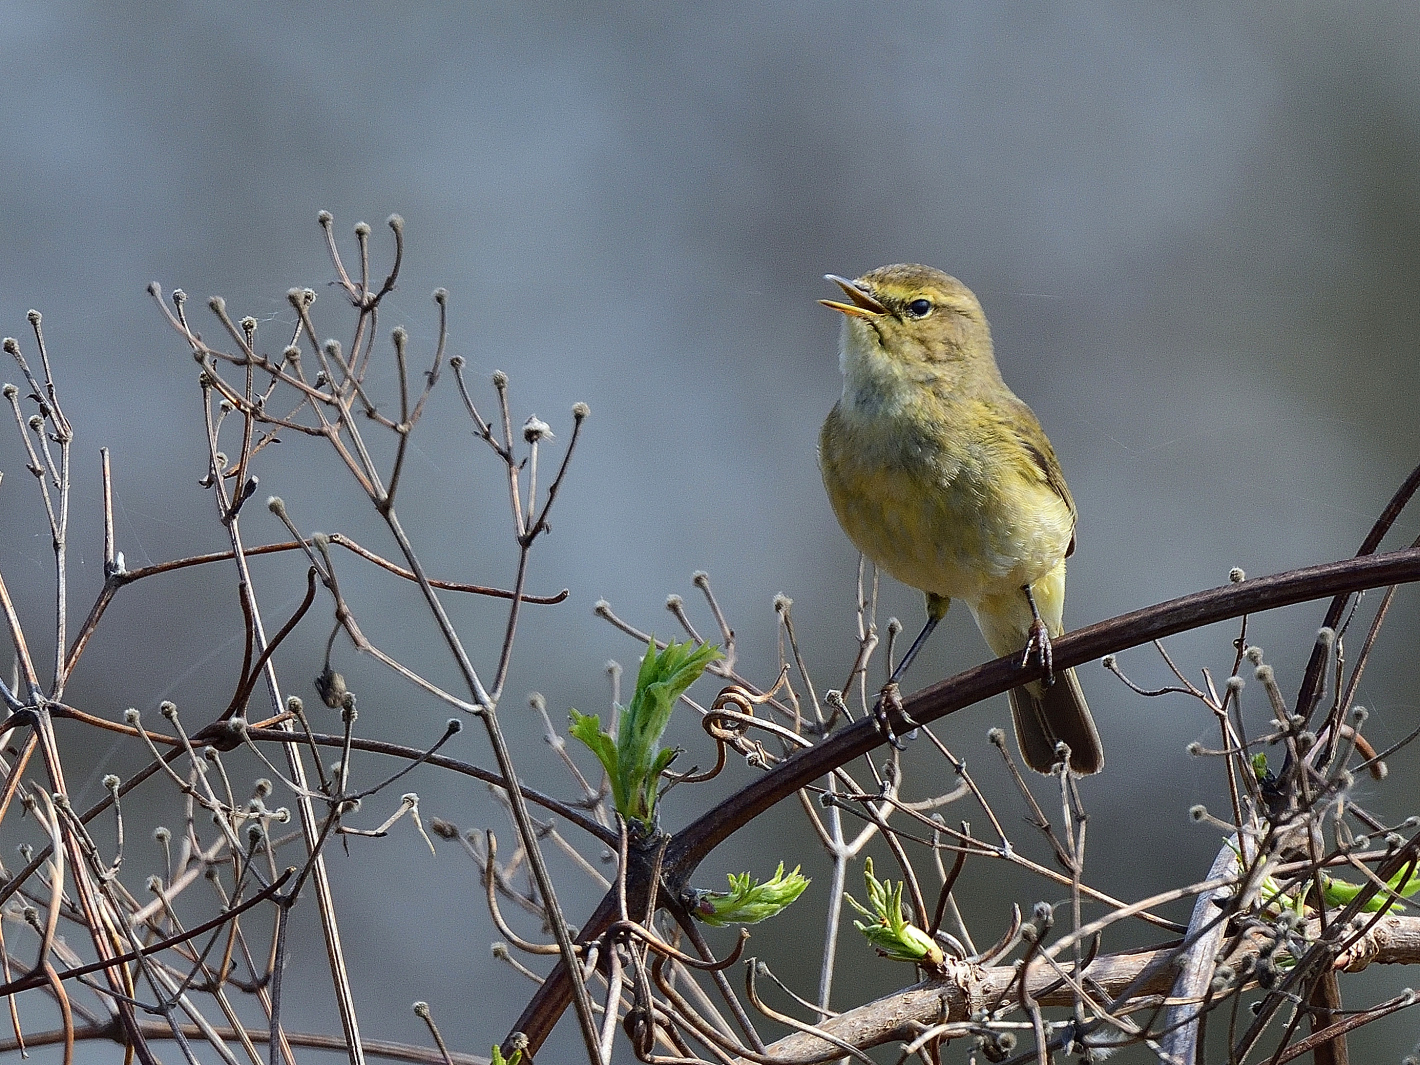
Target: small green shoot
(887,928)
(1335,892)
(633,758)
(748,902)
(1340,893)
(1260,768)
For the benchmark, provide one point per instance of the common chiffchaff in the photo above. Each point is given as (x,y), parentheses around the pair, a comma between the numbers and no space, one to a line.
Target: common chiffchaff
(942,477)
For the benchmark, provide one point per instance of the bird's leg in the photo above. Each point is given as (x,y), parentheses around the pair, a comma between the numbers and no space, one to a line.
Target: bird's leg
(890,699)
(917,644)
(1039,641)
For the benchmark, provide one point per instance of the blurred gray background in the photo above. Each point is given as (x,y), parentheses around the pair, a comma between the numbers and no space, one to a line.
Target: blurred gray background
(1194,229)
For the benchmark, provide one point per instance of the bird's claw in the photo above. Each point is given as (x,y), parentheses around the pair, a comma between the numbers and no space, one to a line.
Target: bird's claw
(889,704)
(1039,645)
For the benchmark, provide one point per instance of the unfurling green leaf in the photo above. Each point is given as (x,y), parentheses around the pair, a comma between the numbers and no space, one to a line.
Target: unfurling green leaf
(748,902)
(633,759)
(887,928)
(588,729)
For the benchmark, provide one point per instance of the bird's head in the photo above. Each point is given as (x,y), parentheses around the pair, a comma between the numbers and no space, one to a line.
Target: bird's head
(925,323)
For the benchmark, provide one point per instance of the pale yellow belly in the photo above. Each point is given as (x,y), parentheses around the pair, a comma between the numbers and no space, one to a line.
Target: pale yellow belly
(966,526)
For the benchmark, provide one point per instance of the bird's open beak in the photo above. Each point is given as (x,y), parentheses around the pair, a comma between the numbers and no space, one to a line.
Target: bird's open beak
(864,305)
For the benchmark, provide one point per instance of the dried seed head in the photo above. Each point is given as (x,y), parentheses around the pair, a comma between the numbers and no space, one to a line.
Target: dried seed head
(330,686)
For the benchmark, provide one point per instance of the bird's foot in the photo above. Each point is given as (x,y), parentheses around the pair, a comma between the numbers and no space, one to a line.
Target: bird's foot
(1039,646)
(1038,642)
(889,704)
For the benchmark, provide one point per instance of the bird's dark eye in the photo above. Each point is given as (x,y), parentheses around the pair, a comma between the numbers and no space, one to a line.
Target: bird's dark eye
(919,308)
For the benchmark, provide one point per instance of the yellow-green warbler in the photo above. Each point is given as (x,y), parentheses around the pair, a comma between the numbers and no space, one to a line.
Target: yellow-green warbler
(942,477)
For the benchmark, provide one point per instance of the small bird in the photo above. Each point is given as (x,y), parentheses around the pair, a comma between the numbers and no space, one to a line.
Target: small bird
(942,477)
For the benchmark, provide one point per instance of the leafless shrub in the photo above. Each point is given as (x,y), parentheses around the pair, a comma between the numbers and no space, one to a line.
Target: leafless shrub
(1304,888)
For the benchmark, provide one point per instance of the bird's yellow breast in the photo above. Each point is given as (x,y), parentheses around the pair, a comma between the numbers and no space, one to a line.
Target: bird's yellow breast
(941,493)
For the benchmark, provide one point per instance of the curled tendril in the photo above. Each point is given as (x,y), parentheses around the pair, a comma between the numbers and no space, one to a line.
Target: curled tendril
(730,728)
(665,950)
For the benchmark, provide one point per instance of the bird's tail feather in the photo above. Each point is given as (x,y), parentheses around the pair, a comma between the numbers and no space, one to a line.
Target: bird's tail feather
(1058,713)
